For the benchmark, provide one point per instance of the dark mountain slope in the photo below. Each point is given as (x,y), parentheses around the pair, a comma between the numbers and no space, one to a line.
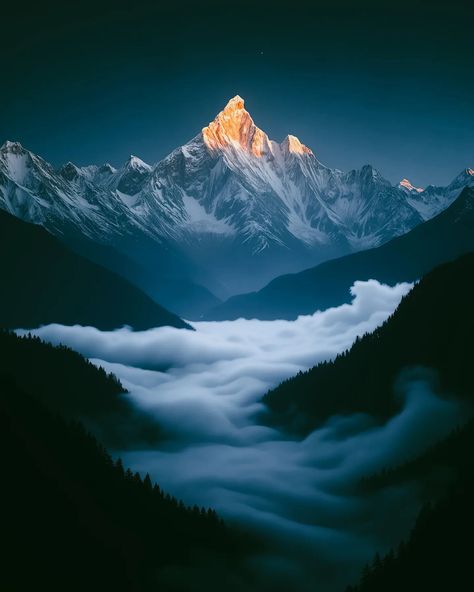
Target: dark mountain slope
(437,555)
(153,275)
(432,327)
(74,520)
(440,465)
(68,384)
(405,258)
(45,282)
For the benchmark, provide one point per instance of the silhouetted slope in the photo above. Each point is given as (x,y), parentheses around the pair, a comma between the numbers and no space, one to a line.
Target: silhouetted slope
(179,294)
(72,386)
(45,282)
(438,553)
(432,327)
(440,465)
(406,258)
(74,520)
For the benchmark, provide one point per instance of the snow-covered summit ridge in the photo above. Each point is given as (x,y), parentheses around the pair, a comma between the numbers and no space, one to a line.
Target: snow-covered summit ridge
(229,194)
(134,162)
(293,145)
(234,127)
(12,147)
(408,186)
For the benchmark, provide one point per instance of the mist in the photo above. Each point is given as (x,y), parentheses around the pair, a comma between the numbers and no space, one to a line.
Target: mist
(299,496)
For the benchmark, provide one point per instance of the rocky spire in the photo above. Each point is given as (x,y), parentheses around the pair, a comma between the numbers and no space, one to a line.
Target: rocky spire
(234,126)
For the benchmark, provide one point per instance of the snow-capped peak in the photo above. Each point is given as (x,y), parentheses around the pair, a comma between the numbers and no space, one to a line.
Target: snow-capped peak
(69,171)
(230,187)
(12,148)
(466,176)
(137,163)
(107,168)
(17,162)
(407,186)
(234,126)
(235,104)
(293,145)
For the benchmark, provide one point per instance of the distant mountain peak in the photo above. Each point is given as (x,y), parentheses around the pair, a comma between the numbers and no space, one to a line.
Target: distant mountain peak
(137,163)
(107,168)
(234,127)
(230,192)
(235,104)
(12,148)
(407,186)
(466,173)
(465,177)
(368,170)
(294,146)
(69,171)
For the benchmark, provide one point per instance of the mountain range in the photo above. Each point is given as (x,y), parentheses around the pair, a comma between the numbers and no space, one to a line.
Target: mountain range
(405,258)
(223,214)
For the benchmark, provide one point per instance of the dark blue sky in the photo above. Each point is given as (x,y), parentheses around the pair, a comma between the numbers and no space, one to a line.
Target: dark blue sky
(358,82)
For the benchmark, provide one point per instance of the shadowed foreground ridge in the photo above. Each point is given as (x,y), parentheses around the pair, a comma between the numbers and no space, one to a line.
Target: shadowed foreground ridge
(432,327)
(74,520)
(68,384)
(44,282)
(437,554)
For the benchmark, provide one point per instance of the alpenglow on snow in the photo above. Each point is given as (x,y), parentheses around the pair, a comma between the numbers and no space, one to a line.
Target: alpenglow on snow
(232,202)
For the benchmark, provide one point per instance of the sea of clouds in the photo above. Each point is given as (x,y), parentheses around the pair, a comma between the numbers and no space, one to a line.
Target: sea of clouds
(204,388)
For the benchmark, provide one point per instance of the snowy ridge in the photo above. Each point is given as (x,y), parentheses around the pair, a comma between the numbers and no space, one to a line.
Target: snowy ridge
(230,189)
(407,186)
(433,200)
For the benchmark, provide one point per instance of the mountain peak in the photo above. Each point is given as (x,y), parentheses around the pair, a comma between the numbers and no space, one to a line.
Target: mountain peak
(369,171)
(465,177)
(137,163)
(235,104)
(69,171)
(12,147)
(466,174)
(407,186)
(107,168)
(233,127)
(294,146)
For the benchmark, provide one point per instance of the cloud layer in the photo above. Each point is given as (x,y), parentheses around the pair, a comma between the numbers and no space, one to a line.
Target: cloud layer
(204,389)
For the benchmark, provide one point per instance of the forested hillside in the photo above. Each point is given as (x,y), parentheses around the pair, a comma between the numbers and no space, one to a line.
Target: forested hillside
(432,327)
(437,555)
(72,386)
(74,519)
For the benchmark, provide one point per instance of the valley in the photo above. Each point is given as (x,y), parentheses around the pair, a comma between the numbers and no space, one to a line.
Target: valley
(231,359)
